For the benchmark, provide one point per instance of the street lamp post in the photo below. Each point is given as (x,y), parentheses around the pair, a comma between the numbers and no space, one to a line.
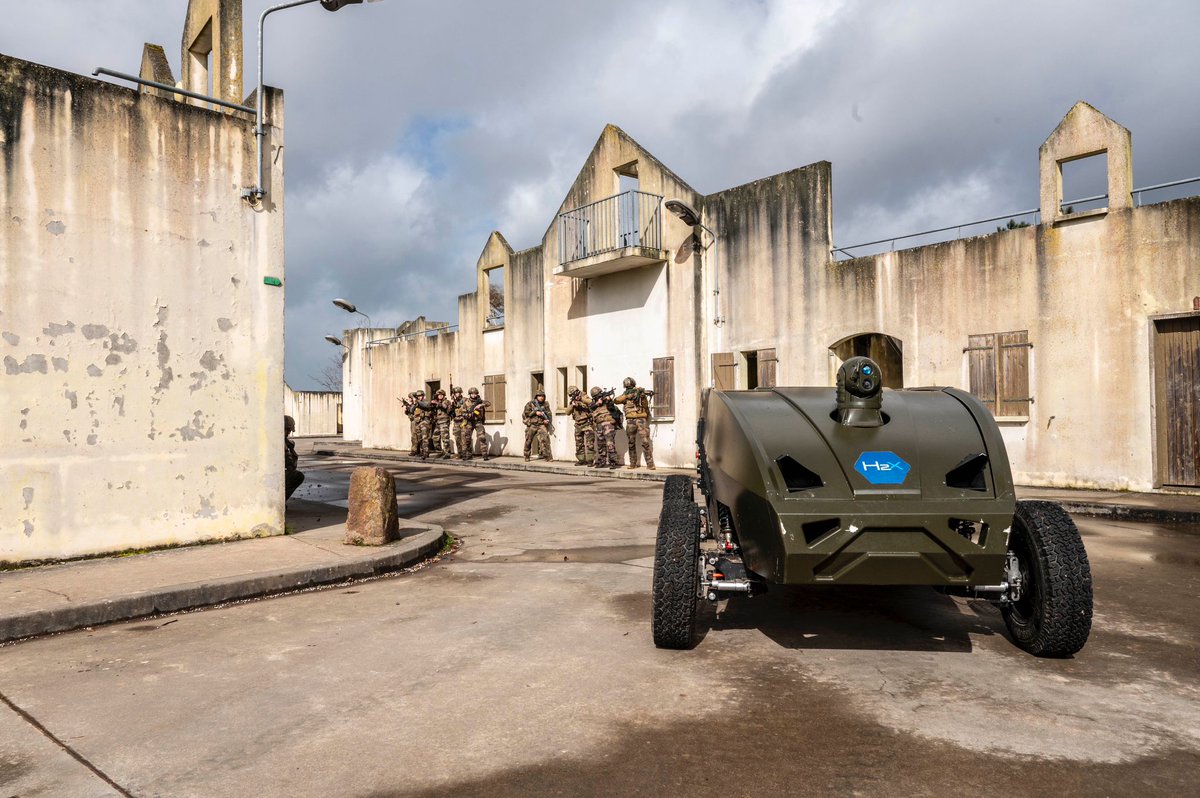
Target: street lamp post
(256,193)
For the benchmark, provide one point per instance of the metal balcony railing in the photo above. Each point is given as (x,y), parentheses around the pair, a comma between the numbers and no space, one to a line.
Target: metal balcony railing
(630,219)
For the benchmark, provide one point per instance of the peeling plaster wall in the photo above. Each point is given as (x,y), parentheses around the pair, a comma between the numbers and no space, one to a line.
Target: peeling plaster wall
(1085,289)
(142,354)
(315,412)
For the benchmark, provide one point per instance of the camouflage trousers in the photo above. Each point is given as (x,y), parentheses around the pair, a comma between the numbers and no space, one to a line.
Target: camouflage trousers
(585,443)
(441,437)
(478,440)
(538,433)
(606,444)
(638,431)
(462,439)
(421,432)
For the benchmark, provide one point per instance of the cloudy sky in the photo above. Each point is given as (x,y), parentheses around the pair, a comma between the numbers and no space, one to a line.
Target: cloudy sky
(415,127)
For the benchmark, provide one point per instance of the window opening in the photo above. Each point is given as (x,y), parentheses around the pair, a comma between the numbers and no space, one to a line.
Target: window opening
(537,381)
(751,361)
(561,394)
(431,387)
(628,232)
(495,293)
(1082,178)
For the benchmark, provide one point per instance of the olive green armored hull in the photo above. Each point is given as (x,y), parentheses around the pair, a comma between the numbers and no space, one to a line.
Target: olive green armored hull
(925,499)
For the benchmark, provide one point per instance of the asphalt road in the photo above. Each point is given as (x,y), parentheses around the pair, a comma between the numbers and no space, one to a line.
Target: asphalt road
(523,665)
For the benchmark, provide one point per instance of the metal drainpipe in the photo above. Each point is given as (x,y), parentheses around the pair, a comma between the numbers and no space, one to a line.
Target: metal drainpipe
(258,192)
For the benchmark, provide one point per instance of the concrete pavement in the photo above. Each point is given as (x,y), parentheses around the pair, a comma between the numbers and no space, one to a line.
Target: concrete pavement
(54,598)
(522,665)
(72,595)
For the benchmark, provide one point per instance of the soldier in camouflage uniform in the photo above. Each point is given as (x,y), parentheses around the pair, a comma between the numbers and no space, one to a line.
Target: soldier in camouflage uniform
(478,441)
(606,430)
(585,428)
(443,411)
(409,403)
(637,421)
(461,411)
(537,421)
(422,416)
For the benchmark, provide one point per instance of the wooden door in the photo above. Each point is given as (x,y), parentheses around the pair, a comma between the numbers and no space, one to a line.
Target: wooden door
(724,370)
(767,368)
(1177,400)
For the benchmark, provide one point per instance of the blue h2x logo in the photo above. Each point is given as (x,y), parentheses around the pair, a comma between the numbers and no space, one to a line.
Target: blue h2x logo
(882,468)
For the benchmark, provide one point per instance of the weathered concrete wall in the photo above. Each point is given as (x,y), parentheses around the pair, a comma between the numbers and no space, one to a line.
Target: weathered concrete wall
(354,377)
(774,266)
(143,355)
(315,412)
(1085,285)
(1086,291)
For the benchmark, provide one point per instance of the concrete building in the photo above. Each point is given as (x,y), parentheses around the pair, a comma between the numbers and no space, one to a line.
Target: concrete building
(141,306)
(316,413)
(1079,332)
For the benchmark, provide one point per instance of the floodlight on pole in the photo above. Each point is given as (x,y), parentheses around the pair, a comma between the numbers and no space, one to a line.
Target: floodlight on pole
(333,339)
(256,193)
(689,216)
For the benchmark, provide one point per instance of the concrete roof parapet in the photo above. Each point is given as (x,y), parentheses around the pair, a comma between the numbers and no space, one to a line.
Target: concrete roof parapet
(1084,132)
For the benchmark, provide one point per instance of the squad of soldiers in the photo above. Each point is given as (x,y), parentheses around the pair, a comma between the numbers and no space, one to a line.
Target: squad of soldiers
(445,425)
(454,426)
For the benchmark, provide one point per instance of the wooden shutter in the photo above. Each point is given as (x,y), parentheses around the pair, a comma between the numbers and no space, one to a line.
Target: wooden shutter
(1012,373)
(724,370)
(664,387)
(766,368)
(494,392)
(981,364)
(1177,400)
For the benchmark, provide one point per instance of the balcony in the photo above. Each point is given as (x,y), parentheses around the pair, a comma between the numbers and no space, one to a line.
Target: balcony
(610,235)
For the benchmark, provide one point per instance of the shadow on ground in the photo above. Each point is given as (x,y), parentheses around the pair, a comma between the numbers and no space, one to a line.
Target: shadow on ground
(871,618)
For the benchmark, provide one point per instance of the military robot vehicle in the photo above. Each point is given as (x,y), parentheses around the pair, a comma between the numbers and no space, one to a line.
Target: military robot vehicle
(864,486)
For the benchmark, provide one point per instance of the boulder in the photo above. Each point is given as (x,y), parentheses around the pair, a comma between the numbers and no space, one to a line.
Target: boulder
(372,519)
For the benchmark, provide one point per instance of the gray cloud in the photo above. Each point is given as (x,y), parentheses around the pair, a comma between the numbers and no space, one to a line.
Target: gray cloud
(415,127)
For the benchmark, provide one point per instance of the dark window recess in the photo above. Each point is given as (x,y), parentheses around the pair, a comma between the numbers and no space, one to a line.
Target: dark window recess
(795,476)
(815,530)
(969,474)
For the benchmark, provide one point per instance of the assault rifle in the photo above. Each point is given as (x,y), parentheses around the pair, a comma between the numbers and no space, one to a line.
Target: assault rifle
(476,413)
(542,411)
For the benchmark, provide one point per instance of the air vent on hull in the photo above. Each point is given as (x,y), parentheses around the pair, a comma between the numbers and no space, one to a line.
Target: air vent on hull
(969,473)
(795,476)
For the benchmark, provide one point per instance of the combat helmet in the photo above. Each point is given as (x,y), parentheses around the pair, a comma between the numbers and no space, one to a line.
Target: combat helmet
(628,382)
(473,392)
(573,391)
(596,391)
(440,392)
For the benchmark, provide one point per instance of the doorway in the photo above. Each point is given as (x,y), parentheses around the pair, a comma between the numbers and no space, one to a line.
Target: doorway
(1177,400)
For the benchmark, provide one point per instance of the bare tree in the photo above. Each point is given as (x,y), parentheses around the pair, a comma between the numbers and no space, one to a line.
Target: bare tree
(330,376)
(495,316)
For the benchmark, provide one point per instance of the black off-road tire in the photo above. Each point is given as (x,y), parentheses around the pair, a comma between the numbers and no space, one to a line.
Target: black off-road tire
(678,487)
(1054,616)
(676,575)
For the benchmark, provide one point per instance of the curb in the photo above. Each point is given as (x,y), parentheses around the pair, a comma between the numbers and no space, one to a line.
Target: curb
(1114,512)
(1128,512)
(608,473)
(175,598)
